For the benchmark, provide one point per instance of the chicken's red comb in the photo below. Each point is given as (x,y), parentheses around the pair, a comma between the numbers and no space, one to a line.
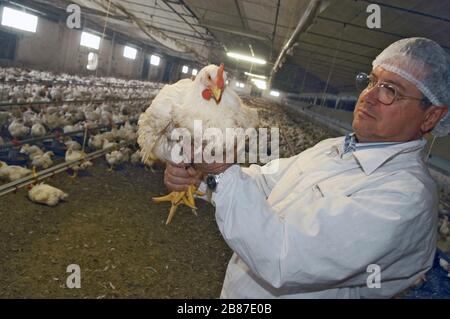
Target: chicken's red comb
(219,82)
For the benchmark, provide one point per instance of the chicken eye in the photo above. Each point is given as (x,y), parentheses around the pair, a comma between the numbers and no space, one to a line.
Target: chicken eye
(209,77)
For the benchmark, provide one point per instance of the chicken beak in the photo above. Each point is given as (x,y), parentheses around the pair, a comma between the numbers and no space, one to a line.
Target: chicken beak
(217,93)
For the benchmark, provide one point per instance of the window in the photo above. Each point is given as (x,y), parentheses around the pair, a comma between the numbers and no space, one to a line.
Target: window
(194,72)
(154,60)
(185,69)
(129,52)
(92,61)
(275,93)
(90,40)
(19,20)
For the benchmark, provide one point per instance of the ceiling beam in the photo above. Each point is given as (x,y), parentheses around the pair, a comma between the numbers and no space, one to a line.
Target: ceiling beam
(224,28)
(423,14)
(345,24)
(343,40)
(182,18)
(241,16)
(329,56)
(336,49)
(235,16)
(195,16)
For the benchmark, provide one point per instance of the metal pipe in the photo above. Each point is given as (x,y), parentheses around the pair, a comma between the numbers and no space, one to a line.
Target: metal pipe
(183,18)
(73,83)
(9,104)
(303,23)
(56,135)
(30,179)
(275,29)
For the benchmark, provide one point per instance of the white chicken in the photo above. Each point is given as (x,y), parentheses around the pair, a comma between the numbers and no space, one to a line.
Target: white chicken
(17,129)
(177,106)
(72,144)
(445,265)
(46,194)
(115,158)
(96,141)
(12,173)
(43,161)
(107,145)
(31,151)
(73,155)
(38,130)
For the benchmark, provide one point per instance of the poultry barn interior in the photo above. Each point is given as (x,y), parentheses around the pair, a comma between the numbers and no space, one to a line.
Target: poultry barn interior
(75,77)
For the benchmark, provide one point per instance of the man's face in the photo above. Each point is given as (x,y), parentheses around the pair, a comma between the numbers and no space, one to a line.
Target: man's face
(398,122)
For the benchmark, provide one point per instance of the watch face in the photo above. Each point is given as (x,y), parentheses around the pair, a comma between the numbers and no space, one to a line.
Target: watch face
(211,182)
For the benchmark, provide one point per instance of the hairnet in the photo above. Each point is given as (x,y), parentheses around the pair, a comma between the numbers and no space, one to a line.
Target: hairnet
(425,64)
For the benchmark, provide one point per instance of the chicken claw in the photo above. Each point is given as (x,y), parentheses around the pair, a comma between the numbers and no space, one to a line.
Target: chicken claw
(177,198)
(74,174)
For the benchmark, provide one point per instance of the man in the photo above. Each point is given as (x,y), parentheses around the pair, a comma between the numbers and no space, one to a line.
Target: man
(351,217)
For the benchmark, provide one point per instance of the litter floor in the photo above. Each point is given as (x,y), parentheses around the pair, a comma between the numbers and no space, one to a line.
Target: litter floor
(109,228)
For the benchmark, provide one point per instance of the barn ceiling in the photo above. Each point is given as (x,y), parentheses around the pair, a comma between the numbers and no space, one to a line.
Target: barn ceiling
(333,48)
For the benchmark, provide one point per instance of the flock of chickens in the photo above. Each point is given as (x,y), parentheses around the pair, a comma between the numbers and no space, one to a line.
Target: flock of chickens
(35,104)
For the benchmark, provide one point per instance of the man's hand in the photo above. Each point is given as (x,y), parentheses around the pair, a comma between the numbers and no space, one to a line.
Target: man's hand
(179,177)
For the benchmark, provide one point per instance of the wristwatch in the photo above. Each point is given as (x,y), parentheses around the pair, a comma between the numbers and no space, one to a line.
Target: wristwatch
(213,180)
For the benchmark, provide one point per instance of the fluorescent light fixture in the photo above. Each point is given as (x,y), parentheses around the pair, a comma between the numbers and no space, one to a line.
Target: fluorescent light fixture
(238,84)
(260,84)
(19,20)
(90,40)
(185,69)
(255,75)
(246,58)
(154,60)
(275,93)
(129,52)
(242,85)
(194,72)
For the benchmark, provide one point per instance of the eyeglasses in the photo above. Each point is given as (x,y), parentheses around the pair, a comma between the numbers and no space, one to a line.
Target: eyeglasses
(386,93)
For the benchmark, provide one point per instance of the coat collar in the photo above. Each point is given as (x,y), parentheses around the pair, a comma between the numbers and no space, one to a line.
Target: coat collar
(371,156)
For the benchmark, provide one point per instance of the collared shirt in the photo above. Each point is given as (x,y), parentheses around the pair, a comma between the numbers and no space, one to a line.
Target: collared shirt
(318,225)
(350,144)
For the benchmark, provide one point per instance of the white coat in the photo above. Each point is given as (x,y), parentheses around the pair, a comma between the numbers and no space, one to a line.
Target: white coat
(325,221)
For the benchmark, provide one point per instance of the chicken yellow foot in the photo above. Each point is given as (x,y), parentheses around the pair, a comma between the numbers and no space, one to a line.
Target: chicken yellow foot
(74,174)
(177,198)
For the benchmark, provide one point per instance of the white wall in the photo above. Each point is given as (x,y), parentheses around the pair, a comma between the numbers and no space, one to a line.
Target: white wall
(55,47)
